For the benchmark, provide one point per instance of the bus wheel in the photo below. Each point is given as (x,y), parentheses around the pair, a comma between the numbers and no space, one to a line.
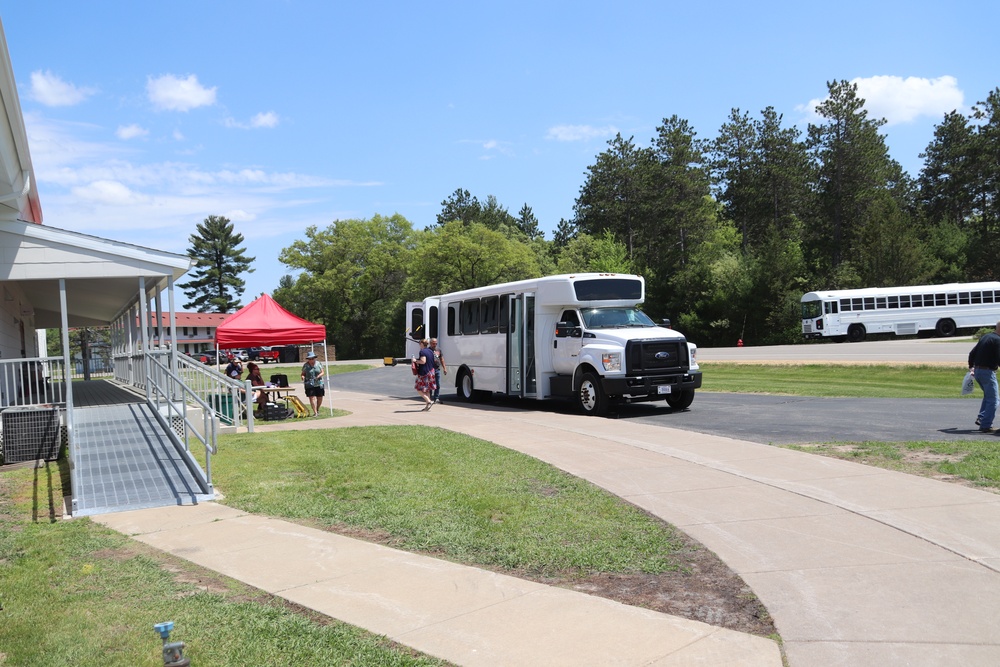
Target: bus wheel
(465,387)
(945,328)
(681,400)
(856,333)
(590,398)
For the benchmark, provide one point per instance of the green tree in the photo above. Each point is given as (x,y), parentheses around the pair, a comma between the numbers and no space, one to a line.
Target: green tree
(460,205)
(528,223)
(351,279)
(618,194)
(854,168)
(215,284)
(602,254)
(454,257)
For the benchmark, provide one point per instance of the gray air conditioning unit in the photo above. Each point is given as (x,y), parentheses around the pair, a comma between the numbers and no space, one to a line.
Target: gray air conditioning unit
(30,434)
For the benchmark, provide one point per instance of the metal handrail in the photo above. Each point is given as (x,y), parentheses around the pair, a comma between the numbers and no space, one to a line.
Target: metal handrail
(170,399)
(211,386)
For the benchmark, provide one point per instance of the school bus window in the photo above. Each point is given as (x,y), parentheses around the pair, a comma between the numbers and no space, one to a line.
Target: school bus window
(453,320)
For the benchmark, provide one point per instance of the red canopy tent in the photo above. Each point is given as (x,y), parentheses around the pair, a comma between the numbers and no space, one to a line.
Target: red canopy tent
(264,322)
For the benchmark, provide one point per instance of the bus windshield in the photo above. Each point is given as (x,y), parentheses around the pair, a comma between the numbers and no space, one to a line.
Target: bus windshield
(811,309)
(615,318)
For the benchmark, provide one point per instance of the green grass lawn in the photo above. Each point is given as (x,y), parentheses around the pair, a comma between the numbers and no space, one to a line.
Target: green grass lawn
(439,492)
(76,593)
(834,380)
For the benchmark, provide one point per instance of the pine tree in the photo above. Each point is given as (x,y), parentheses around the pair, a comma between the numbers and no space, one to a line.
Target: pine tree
(216,285)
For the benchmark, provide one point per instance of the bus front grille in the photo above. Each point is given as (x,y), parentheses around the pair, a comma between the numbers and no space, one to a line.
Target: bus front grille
(651,356)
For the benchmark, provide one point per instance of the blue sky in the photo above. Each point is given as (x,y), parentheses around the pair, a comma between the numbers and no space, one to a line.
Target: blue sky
(145,118)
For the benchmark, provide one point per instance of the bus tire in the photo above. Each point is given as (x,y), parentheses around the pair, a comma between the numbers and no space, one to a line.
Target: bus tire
(681,400)
(945,328)
(856,333)
(590,396)
(465,386)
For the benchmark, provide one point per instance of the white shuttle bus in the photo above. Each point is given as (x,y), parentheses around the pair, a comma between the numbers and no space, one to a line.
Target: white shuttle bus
(905,311)
(580,337)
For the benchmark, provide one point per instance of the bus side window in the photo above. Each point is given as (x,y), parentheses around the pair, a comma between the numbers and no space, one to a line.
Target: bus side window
(963,298)
(977,297)
(470,317)
(490,322)
(845,305)
(504,312)
(893,302)
(880,302)
(987,297)
(830,307)
(453,320)
(904,301)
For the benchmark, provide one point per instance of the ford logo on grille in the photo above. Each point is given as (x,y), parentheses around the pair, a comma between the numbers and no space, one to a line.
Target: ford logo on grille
(662,355)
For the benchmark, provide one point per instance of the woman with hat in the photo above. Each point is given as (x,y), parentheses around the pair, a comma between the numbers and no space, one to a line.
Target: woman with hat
(312,378)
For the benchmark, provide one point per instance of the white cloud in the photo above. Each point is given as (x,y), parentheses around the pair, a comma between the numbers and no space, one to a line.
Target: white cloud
(264,119)
(580,132)
(52,91)
(239,215)
(127,132)
(111,193)
(900,100)
(173,94)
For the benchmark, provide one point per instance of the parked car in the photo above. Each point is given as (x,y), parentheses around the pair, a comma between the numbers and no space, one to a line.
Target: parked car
(208,357)
(238,355)
(263,354)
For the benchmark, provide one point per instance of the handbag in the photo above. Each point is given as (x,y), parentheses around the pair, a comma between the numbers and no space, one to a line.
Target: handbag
(968,384)
(413,367)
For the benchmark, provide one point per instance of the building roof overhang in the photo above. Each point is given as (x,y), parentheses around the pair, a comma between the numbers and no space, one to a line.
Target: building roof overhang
(102,276)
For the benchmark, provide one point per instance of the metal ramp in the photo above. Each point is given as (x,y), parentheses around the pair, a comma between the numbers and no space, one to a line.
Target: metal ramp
(125,460)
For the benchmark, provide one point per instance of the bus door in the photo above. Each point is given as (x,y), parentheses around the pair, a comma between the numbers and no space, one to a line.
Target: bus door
(415,327)
(521,375)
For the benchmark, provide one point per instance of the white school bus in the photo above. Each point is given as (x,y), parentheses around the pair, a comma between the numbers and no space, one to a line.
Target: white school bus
(942,309)
(580,337)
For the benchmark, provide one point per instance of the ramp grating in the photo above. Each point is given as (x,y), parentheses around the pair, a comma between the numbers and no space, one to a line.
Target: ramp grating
(126,461)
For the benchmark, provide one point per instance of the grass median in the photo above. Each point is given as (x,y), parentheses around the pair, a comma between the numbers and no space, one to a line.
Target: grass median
(429,490)
(830,380)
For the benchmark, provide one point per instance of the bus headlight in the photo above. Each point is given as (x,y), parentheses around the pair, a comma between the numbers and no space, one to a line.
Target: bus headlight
(612,361)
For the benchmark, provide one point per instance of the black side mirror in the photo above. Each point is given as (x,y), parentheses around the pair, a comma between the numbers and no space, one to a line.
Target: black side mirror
(567,330)
(666,323)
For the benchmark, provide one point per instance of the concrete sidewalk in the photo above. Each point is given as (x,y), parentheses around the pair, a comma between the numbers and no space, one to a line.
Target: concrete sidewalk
(857,565)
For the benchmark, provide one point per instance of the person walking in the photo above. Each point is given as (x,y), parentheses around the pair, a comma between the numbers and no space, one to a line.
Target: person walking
(425,382)
(984,359)
(439,367)
(312,379)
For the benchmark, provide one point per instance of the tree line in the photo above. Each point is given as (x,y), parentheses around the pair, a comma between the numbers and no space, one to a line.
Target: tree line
(729,232)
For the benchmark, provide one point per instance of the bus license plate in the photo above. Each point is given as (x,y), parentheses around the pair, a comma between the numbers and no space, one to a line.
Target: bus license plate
(663,389)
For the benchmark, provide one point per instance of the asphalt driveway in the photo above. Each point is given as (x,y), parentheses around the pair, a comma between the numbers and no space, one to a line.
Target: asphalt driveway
(757,418)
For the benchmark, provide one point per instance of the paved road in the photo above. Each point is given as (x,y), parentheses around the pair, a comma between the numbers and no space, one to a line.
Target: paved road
(772,419)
